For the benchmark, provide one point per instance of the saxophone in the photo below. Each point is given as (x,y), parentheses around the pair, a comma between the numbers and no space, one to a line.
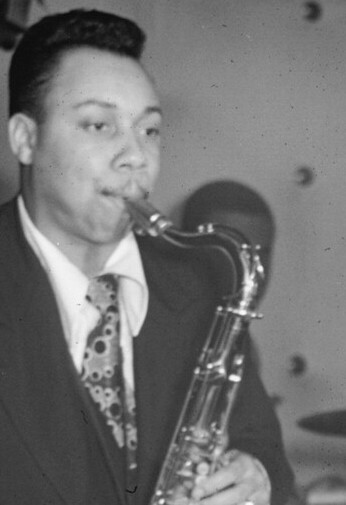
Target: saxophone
(200,442)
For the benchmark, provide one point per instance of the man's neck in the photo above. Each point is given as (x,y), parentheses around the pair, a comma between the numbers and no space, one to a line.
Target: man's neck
(90,260)
(88,257)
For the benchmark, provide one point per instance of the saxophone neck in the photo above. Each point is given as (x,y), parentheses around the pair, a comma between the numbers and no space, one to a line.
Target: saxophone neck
(231,245)
(147,219)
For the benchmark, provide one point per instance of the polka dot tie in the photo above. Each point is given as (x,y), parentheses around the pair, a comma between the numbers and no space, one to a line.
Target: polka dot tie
(102,371)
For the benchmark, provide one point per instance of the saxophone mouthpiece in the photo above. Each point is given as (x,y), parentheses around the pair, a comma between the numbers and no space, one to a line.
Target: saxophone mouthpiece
(147,219)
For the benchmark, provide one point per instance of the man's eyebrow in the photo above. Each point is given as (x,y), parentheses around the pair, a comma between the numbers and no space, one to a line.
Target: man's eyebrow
(153,109)
(95,101)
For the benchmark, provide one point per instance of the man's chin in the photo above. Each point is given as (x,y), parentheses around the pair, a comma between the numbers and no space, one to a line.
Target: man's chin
(122,229)
(110,231)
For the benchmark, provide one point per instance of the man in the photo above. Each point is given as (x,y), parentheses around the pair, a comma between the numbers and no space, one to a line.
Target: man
(85,127)
(236,205)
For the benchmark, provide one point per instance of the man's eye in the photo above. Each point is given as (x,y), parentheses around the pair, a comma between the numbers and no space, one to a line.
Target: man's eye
(98,127)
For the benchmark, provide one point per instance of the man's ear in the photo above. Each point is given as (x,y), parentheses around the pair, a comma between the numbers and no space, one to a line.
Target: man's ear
(22,132)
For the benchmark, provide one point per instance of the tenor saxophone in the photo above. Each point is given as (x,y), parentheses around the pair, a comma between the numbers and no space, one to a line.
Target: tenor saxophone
(200,441)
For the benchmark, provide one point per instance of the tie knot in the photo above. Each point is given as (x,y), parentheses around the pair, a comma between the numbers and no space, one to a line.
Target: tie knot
(103,292)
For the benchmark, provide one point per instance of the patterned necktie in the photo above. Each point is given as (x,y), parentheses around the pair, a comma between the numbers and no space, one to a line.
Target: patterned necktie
(102,371)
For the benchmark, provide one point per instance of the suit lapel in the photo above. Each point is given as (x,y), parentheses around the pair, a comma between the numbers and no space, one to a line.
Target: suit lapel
(40,389)
(180,309)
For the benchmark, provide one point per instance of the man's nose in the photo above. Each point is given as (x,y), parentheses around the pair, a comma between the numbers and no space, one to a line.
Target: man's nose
(132,154)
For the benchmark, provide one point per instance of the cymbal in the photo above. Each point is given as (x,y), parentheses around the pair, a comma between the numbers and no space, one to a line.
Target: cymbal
(327,423)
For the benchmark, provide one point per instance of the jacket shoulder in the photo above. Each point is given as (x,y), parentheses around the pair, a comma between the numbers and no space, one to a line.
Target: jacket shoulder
(18,263)
(8,231)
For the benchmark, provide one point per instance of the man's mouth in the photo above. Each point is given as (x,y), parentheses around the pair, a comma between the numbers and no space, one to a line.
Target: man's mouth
(139,194)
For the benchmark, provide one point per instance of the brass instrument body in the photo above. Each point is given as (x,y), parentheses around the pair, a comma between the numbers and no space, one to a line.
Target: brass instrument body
(200,441)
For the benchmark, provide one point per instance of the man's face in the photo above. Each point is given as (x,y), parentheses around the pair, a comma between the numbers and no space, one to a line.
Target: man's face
(99,143)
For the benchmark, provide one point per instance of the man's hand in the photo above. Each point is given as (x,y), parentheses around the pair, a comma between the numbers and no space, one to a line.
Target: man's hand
(243,480)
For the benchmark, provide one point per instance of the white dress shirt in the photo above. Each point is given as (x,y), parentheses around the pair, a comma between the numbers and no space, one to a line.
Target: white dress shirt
(70,286)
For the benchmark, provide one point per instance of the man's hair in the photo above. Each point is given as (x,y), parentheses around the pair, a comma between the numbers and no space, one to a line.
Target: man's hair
(224,195)
(39,51)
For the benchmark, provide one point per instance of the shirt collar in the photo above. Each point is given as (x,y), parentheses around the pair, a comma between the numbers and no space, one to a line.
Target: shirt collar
(126,262)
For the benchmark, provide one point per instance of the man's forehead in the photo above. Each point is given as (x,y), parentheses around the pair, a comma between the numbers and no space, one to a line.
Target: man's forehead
(87,75)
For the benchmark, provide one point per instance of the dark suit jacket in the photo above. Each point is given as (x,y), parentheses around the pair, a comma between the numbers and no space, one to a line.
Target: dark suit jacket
(54,447)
